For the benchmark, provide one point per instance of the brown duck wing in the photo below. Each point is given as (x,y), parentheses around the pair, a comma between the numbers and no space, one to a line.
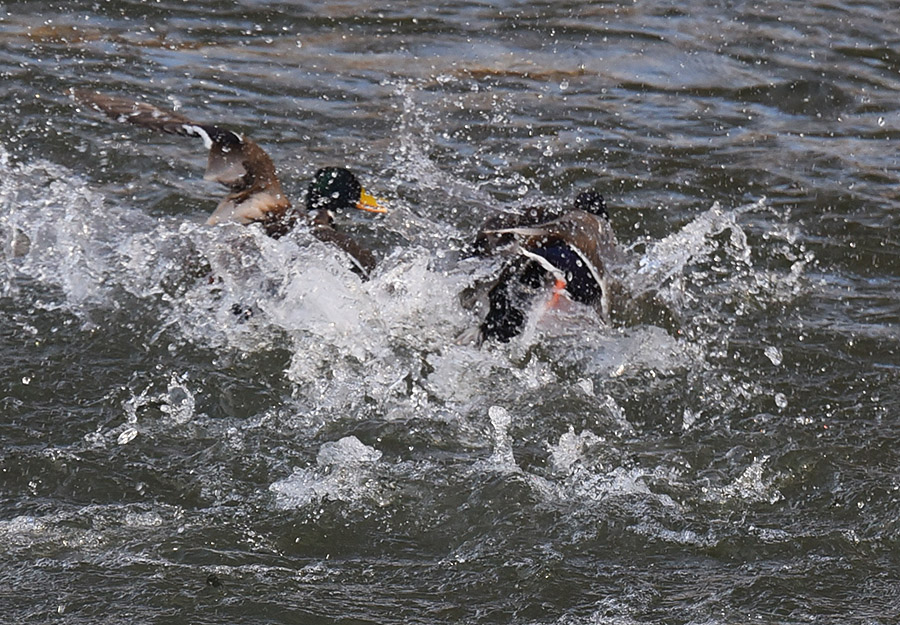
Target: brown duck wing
(490,237)
(234,161)
(592,236)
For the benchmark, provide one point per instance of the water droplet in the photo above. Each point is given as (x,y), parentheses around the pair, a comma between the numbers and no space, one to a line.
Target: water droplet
(586,385)
(780,400)
(500,417)
(774,354)
(881,121)
(564,85)
(688,419)
(127,436)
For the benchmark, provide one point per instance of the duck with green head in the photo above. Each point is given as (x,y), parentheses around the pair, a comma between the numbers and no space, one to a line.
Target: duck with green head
(254,190)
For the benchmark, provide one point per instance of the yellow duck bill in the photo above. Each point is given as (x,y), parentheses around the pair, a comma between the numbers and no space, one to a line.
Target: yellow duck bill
(370,203)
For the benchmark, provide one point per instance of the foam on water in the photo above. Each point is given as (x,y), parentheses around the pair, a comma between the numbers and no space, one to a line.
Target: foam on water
(580,473)
(751,485)
(89,528)
(569,451)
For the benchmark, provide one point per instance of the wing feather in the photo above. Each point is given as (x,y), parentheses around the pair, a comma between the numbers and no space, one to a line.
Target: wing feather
(234,160)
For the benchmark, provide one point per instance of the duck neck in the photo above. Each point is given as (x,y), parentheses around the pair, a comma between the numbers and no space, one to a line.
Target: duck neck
(321,217)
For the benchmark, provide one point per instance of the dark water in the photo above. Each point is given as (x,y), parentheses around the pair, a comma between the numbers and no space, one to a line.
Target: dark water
(337,457)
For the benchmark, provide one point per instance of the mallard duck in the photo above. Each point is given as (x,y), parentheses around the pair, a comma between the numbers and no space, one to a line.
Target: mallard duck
(255,194)
(563,251)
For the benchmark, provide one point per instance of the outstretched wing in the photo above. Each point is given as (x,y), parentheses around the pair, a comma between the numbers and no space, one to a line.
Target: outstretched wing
(234,161)
(495,232)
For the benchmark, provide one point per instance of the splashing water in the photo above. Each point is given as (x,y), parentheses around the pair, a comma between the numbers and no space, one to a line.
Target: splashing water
(350,341)
(344,472)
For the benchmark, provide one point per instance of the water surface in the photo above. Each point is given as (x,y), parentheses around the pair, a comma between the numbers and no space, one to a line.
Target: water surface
(337,457)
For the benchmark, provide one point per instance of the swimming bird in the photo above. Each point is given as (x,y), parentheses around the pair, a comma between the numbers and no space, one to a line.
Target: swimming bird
(565,252)
(254,190)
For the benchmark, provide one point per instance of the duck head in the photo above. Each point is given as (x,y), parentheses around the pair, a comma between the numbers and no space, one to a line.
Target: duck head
(335,188)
